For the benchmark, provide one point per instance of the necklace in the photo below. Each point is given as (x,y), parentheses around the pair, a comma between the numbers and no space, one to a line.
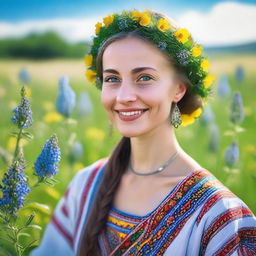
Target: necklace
(160,169)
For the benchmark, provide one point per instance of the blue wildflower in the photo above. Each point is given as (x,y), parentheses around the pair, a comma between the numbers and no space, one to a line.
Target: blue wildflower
(239,73)
(183,57)
(47,162)
(14,189)
(223,87)
(232,154)
(236,109)
(214,142)
(207,117)
(23,114)
(84,104)
(76,151)
(24,76)
(66,100)
(162,45)
(122,23)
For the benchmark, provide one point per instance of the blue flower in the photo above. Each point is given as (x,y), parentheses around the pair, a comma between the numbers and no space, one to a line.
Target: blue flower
(84,104)
(47,162)
(207,117)
(162,45)
(76,151)
(24,76)
(14,189)
(236,109)
(23,114)
(239,74)
(183,57)
(66,100)
(214,142)
(122,23)
(232,154)
(223,87)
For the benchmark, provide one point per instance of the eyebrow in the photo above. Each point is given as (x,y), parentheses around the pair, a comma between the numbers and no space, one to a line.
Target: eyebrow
(134,71)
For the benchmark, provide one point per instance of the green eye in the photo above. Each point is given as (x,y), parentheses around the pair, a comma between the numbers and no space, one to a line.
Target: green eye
(148,78)
(107,79)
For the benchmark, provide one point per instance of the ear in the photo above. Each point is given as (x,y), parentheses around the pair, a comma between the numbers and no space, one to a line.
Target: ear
(179,92)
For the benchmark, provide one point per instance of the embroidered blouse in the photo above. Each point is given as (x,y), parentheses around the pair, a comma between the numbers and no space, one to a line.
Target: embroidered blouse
(200,216)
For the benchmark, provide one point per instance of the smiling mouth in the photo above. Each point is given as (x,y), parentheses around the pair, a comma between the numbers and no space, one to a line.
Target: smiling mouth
(131,113)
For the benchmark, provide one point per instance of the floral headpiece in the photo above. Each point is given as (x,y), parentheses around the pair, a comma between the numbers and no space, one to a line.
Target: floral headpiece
(177,42)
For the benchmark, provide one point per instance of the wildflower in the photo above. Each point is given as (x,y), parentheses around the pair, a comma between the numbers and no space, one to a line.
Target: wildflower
(208,80)
(46,164)
(52,117)
(142,18)
(11,143)
(214,141)
(232,154)
(205,65)
(14,188)
(182,35)
(76,151)
(197,50)
(163,24)
(66,100)
(162,45)
(88,60)
(223,87)
(84,104)
(236,109)
(98,27)
(239,74)
(95,134)
(23,114)
(24,76)
(183,57)
(122,23)
(90,75)
(207,116)
(188,119)
(108,20)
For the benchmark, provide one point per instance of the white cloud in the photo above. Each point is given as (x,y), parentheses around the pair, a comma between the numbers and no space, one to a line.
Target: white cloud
(226,23)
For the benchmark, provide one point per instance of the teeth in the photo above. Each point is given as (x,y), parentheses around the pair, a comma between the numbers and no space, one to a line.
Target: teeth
(131,113)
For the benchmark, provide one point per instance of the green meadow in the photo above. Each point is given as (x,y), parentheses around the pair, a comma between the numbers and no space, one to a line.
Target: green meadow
(93,130)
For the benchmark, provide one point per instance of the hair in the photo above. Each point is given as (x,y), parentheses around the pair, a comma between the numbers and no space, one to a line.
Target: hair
(118,161)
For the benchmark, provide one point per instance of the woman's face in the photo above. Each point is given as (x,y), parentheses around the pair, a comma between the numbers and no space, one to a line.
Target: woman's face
(138,87)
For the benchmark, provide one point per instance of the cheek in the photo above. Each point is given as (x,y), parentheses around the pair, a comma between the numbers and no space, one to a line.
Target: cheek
(107,99)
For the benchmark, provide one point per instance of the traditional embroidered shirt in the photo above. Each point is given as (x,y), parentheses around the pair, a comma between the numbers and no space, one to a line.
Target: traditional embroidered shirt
(199,216)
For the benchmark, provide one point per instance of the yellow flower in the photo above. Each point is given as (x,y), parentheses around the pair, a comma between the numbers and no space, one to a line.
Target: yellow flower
(136,15)
(90,75)
(88,59)
(142,17)
(95,134)
(11,143)
(188,119)
(197,50)
(28,92)
(182,35)
(108,20)
(48,106)
(208,80)
(98,27)
(163,24)
(52,117)
(205,65)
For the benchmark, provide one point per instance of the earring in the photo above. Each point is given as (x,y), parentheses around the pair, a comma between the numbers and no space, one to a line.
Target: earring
(176,116)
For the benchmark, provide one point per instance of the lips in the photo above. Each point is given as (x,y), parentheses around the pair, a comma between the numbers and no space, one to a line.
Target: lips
(131,117)
(131,109)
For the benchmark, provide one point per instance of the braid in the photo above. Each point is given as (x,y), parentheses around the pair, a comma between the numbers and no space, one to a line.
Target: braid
(96,222)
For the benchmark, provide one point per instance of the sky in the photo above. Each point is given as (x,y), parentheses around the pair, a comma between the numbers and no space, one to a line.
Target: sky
(211,23)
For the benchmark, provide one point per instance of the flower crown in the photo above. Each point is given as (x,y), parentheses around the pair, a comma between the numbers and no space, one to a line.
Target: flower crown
(177,42)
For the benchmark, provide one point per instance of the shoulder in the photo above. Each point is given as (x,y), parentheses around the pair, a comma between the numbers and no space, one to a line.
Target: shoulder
(87,175)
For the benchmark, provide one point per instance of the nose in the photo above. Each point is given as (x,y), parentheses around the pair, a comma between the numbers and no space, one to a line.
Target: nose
(126,93)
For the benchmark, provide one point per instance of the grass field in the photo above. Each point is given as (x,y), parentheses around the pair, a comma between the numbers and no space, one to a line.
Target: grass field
(92,130)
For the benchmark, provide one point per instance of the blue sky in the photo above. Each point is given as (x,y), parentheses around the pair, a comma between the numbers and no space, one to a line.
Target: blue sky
(211,22)
(20,10)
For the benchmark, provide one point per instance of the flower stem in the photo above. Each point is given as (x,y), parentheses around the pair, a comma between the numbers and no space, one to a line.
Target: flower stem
(16,152)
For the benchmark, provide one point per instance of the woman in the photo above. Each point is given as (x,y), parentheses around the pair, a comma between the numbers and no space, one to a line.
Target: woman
(149,197)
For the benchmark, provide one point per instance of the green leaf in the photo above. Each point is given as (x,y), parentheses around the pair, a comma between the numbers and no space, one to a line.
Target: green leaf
(35,226)
(27,135)
(30,219)
(41,207)
(24,234)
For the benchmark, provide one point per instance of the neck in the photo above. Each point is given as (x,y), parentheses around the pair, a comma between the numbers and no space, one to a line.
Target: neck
(150,151)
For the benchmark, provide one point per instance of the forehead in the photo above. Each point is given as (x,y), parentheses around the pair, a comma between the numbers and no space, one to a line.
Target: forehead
(133,51)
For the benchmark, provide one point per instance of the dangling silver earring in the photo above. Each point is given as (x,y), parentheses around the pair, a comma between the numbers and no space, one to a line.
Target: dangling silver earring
(176,116)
